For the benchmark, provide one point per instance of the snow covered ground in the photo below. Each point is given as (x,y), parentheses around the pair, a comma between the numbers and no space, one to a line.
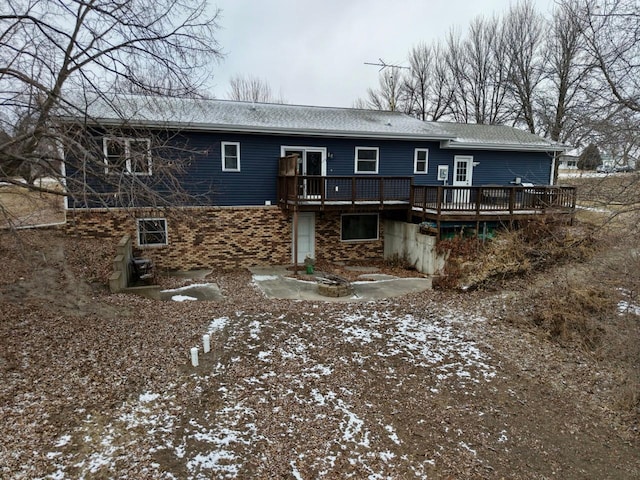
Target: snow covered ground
(295,385)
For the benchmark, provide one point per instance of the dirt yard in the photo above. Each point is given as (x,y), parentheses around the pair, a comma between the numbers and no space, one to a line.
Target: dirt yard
(535,375)
(435,385)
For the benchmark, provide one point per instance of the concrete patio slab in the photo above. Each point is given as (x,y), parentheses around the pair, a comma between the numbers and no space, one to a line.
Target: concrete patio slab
(274,282)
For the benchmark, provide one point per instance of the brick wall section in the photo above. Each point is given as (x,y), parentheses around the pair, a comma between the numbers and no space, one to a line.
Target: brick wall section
(330,247)
(208,237)
(222,238)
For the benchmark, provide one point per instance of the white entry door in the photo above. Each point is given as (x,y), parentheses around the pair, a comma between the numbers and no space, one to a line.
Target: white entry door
(463,177)
(306,237)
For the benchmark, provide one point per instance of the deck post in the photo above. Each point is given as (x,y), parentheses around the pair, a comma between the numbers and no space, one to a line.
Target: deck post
(295,240)
(411,199)
(353,191)
(381,187)
(438,208)
(512,200)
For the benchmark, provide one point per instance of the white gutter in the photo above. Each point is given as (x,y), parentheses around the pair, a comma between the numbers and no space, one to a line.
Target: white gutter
(212,127)
(447,144)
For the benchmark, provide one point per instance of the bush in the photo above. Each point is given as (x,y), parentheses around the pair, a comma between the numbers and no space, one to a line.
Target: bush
(537,245)
(570,313)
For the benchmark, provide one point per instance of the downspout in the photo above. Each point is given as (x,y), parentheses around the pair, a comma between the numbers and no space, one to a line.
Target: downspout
(295,239)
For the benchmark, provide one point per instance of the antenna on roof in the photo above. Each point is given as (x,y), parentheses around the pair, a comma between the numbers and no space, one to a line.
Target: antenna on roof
(384,65)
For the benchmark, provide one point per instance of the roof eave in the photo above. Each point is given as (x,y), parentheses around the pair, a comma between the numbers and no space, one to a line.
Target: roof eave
(210,127)
(448,144)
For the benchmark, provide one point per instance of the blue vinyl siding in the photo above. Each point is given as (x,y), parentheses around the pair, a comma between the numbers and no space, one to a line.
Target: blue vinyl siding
(256,182)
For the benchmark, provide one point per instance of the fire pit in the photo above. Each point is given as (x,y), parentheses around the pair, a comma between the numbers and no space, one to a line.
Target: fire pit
(334,286)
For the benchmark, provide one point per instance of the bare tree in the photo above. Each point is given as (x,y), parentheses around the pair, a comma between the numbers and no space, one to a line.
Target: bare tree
(478,66)
(388,95)
(609,37)
(566,74)
(523,31)
(611,34)
(56,56)
(427,92)
(616,131)
(252,89)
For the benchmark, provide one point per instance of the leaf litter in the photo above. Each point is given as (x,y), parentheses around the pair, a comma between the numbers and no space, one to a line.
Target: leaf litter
(425,386)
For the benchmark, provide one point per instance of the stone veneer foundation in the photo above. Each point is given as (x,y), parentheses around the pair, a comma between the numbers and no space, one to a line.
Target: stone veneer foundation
(220,237)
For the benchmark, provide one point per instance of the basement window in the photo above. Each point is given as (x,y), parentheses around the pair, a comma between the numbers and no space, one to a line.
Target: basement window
(152,232)
(359,227)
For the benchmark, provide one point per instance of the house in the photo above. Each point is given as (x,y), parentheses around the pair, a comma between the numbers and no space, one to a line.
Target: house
(271,183)
(568,160)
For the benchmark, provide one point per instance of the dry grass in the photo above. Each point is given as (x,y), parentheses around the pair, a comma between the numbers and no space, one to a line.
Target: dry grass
(569,312)
(20,207)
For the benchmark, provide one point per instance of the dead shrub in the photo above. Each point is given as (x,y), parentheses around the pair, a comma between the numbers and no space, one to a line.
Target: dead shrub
(569,314)
(628,394)
(398,262)
(461,250)
(536,246)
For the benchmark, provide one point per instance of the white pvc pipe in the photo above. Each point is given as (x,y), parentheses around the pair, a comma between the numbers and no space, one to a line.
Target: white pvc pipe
(206,343)
(194,356)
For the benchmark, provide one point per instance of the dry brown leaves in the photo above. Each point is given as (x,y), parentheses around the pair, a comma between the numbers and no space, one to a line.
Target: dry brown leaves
(112,373)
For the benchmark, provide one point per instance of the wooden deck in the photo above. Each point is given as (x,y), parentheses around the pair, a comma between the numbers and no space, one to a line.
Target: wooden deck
(489,203)
(422,203)
(318,193)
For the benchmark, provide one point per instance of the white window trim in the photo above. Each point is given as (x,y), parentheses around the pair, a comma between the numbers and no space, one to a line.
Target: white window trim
(377,237)
(322,150)
(355,167)
(127,151)
(166,232)
(415,161)
(223,157)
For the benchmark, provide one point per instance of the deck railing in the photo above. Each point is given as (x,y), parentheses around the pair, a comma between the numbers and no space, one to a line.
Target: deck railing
(511,199)
(320,192)
(324,191)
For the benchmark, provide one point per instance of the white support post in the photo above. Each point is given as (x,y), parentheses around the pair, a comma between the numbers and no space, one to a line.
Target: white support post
(206,343)
(194,356)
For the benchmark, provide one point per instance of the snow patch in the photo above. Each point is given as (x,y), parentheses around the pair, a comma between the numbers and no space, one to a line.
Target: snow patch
(183,298)
(264,278)
(218,324)
(188,287)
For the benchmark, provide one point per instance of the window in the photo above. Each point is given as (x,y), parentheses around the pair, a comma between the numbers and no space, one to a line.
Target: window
(230,157)
(127,155)
(366,160)
(359,227)
(421,160)
(152,232)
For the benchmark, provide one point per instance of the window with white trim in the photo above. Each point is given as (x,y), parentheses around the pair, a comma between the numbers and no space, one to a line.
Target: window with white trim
(230,156)
(127,155)
(367,159)
(421,160)
(358,227)
(152,232)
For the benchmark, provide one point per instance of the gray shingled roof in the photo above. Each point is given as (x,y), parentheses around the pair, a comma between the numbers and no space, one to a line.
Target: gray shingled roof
(465,134)
(225,115)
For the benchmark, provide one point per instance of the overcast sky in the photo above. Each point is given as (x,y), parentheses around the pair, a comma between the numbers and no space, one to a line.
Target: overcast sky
(312,52)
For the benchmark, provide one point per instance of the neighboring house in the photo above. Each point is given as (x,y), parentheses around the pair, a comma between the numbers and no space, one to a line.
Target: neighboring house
(568,160)
(618,163)
(272,183)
